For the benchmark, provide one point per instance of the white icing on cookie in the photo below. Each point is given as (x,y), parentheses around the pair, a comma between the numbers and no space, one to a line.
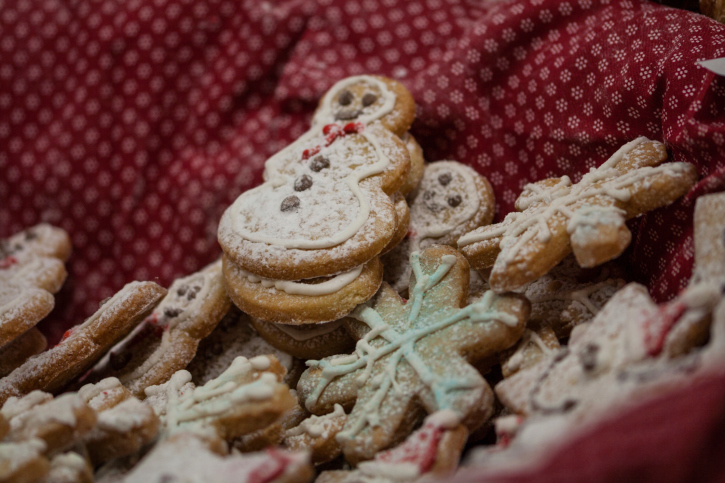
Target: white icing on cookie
(327,287)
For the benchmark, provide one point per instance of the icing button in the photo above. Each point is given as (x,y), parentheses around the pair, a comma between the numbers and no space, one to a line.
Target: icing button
(369,99)
(290,203)
(345,98)
(445,178)
(302,183)
(319,163)
(588,357)
(454,200)
(171,313)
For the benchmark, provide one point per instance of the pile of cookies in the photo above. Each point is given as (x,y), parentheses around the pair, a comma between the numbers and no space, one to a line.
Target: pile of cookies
(365,322)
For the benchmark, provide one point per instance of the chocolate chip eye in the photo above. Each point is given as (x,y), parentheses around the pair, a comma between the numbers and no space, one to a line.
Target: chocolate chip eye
(192,292)
(319,163)
(345,98)
(182,290)
(171,313)
(302,183)
(30,235)
(445,178)
(588,357)
(454,200)
(369,99)
(290,203)
(430,202)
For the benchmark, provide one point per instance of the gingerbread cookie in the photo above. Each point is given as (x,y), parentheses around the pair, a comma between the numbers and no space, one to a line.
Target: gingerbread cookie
(432,450)
(185,457)
(167,340)
(246,397)
(31,271)
(59,422)
(317,435)
(305,301)
(414,357)
(83,345)
(327,195)
(23,462)
(557,217)
(452,199)
(124,424)
(402,213)
(311,341)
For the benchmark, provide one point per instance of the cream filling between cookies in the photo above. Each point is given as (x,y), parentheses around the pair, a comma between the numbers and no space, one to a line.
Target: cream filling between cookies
(290,287)
(302,335)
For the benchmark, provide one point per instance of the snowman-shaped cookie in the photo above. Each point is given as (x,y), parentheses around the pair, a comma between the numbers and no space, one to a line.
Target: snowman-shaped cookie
(450,200)
(325,207)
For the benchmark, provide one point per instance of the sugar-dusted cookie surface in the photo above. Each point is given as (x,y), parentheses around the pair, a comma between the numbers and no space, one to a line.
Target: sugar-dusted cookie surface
(31,271)
(432,450)
(557,217)
(167,340)
(317,435)
(248,396)
(124,424)
(311,341)
(235,336)
(23,461)
(412,358)
(417,164)
(451,199)
(325,205)
(312,301)
(20,349)
(185,457)
(84,344)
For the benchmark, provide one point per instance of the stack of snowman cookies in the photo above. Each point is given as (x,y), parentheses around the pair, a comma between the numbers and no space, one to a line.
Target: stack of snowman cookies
(366,322)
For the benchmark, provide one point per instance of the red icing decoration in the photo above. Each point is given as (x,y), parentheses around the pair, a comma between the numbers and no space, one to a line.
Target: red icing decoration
(332,132)
(657,327)
(420,448)
(66,334)
(271,468)
(8,262)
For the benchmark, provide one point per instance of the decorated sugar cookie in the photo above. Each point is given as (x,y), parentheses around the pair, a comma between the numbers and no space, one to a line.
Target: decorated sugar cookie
(168,338)
(432,450)
(31,271)
(246,397)
(557,217)
(317,435)
(83,345)
(451,199)
(413,357)
(325,206)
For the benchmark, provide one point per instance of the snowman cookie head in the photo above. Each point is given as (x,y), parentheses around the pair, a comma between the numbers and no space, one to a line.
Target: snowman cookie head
(366,99)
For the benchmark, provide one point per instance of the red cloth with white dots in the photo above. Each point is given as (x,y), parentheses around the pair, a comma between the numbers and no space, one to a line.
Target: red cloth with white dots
(134,124)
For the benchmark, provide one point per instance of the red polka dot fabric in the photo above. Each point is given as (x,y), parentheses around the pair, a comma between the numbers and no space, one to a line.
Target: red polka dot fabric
(133,124)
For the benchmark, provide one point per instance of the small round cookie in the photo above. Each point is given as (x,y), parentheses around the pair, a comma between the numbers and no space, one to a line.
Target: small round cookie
(325,205)
(310,341)
(31,271)
(303,302)
(83,345)
(417,164)
(235,336)
(167,340)
(451,199)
